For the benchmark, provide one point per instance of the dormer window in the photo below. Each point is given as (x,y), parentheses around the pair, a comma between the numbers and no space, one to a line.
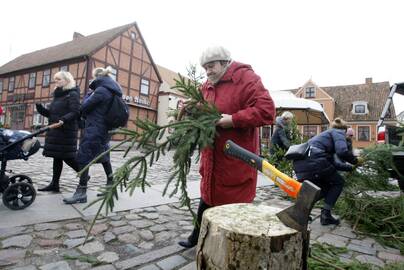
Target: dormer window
(360,107)
(310,92)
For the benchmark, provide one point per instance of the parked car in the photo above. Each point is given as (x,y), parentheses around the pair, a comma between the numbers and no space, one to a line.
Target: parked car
(393,134)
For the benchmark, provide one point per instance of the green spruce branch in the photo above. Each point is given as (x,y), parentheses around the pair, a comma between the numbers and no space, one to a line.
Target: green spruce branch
(187,137)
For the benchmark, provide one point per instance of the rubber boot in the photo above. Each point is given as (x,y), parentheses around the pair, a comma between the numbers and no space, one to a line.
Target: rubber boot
(53,186)
(79,196)
(327,219)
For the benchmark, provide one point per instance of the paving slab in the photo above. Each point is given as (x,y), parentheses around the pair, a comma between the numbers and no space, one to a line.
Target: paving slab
(263,181)
(193,187)
(138,199)
(46,208)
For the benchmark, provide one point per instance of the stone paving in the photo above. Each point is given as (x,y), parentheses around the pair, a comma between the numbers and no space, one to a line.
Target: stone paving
(146,239)
(142,238)
(39,168)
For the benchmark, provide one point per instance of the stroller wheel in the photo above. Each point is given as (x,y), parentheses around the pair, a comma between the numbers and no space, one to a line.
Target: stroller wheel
(19,196)
(20,178)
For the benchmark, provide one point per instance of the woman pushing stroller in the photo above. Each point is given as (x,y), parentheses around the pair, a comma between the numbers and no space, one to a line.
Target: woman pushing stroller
(61,141)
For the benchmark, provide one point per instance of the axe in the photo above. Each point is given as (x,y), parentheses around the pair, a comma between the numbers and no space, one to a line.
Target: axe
(306,193)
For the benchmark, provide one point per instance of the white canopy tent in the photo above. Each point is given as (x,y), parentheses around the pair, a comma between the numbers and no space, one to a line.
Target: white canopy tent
(307,112)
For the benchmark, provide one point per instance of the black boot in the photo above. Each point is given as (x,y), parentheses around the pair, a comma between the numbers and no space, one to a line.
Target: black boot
(53,186)
(191,241)
(109,184)
(79,196)
(327,219)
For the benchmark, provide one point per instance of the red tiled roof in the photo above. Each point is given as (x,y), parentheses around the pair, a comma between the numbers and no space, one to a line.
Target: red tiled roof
(79,47)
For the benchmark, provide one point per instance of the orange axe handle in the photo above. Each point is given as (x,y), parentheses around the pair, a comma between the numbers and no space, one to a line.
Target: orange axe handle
(286,183)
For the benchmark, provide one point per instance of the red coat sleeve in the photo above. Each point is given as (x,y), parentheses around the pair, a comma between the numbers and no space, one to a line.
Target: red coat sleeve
(258,108)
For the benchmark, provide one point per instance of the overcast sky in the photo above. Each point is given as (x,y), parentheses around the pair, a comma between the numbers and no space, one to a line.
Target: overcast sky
(287,42)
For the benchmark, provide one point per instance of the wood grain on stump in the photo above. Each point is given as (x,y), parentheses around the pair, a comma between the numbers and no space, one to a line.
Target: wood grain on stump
(247,236)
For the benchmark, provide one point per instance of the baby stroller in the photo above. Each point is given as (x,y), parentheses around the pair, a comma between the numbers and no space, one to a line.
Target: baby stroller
(18,192)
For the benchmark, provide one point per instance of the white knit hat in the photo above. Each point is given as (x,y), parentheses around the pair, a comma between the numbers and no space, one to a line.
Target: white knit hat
(216,53)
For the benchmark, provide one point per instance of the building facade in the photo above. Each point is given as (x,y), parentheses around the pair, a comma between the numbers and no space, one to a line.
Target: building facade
(28,79)
(170,99)
(360,105)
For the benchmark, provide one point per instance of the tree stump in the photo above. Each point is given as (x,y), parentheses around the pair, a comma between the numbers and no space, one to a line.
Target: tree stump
(247,236)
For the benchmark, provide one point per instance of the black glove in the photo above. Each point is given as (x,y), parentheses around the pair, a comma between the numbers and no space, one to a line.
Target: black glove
(38,106)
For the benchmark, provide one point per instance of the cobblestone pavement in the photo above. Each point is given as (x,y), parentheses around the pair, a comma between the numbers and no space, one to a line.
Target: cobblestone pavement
(144,238)
(39,168)
(147,238)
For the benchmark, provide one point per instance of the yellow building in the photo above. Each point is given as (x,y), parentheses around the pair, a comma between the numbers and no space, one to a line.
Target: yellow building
(360,105)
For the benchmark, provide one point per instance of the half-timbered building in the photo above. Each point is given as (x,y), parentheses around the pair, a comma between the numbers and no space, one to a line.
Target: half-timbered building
(28,79)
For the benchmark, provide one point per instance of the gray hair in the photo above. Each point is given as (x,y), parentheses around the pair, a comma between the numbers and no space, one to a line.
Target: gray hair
(102,72)
(287,114)
(68,77)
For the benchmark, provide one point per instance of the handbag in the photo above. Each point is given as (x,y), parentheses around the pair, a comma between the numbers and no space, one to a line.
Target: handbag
(297,151)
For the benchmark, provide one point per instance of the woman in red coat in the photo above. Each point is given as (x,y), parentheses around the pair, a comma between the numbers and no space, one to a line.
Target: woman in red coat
(245,104)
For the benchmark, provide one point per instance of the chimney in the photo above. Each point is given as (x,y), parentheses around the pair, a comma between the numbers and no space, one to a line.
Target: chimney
(77,35)
(368,80)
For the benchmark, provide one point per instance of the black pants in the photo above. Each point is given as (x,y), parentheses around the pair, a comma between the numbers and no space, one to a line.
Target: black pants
(331,188)
(107,169)
(193,238)
(58,166)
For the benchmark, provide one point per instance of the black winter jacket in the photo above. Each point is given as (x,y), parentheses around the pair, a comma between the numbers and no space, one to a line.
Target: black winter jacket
(62,142)
(96,138)
(320,162)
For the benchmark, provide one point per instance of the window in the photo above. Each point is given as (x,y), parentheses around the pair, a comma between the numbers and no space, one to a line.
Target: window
(323,128)
(32,80)
(113,73)
(1,86)
(309,131)
(266,132)
(46,78)
(11,82)
(133,35)
(363,133)
(144,87)
(310,93)
(360,107)
(3,116)
(64,68)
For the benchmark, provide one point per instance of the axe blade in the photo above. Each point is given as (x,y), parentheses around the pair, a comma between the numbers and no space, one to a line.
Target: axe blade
(297,215)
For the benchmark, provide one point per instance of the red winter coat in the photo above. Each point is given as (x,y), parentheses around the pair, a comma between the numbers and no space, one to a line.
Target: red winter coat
(241,94)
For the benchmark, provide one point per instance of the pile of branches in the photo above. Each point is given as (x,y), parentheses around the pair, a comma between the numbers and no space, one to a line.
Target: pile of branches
(326,257)
(371,213)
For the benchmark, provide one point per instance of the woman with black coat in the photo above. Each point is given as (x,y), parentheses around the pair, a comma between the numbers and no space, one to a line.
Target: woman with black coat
(96,137)
(320,168)
(61,142)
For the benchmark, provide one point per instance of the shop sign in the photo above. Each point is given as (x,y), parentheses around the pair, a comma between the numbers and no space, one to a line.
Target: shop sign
(136,100)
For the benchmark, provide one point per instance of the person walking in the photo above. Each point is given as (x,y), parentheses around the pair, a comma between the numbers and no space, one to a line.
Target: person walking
(238,93)
(61,142)
(95,138)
